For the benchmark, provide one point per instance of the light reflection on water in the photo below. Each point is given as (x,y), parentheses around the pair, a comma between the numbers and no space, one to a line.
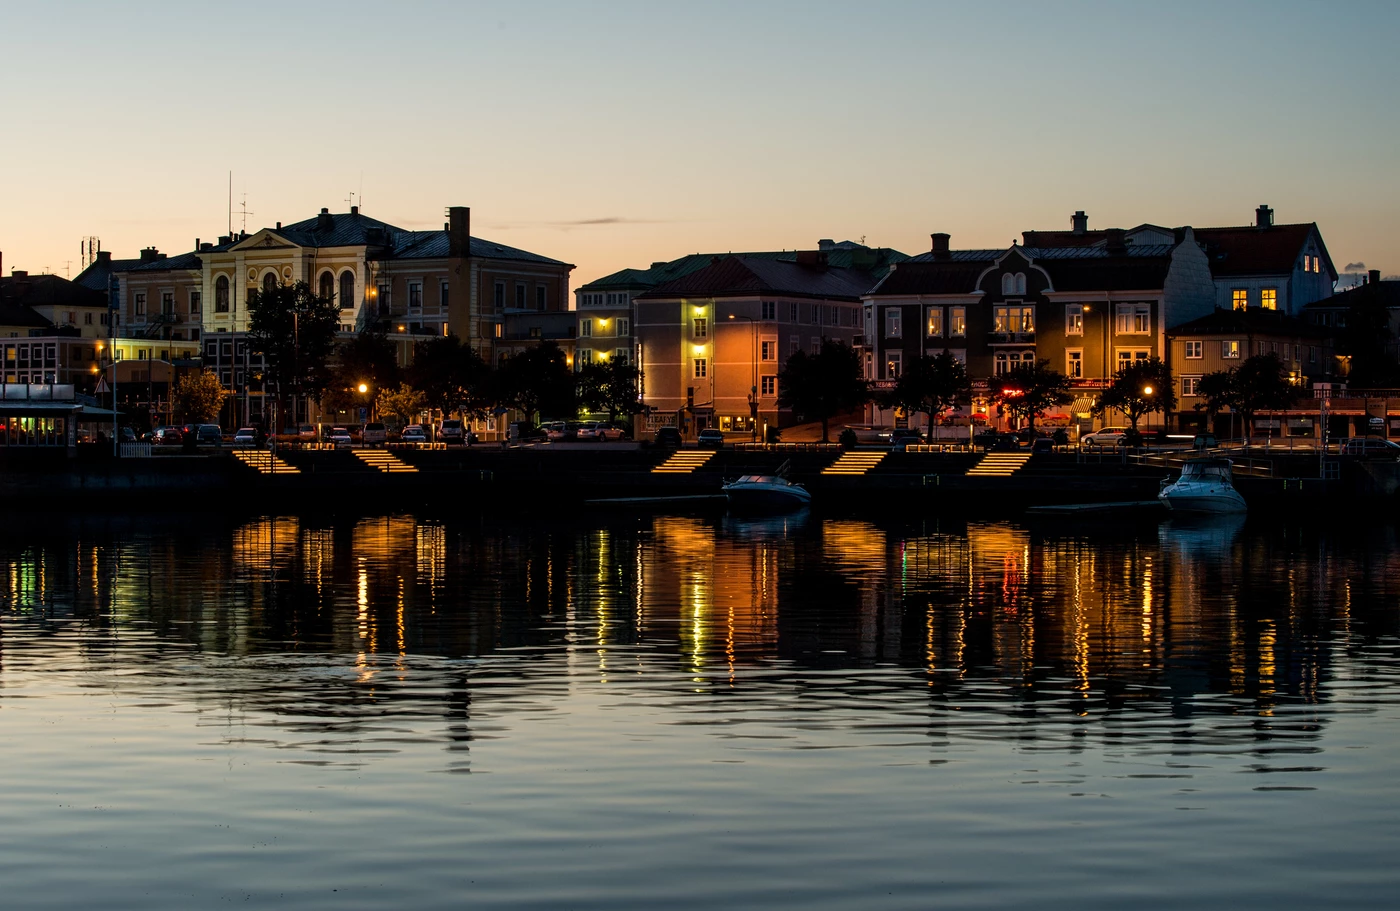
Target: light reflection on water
(804,711)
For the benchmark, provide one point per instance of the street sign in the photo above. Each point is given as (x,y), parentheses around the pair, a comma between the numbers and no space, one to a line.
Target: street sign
(102,385)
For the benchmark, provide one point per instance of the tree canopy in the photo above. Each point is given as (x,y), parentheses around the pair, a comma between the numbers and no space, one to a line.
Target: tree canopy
(368,358)
(538,381)
(931,385)
(609,386)
(452,376)
(1366,339)
(403,404)
(1142,387)
(1261,383)
(294,331)
(199,396)
(817,387)
(1029,389)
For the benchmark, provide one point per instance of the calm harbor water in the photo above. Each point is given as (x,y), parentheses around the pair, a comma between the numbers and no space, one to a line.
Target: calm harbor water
(694,713)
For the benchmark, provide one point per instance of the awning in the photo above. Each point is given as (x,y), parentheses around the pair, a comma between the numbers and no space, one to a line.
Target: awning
(1083,405)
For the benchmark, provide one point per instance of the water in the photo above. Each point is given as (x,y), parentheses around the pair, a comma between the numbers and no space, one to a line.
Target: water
(696,713)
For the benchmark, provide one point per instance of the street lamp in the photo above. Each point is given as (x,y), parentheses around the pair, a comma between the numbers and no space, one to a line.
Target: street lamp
(753,390)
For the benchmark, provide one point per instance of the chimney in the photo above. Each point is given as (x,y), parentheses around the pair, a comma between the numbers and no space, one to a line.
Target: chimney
(459,231)
(1079,222)
(224,239)
(104,257)
(205,247)
(940,246)
(1116,242)
(354,210)
(1263,217)
(1373,276)
(18,273)
(324,221)
(826,243)
(149,255)
(279,226)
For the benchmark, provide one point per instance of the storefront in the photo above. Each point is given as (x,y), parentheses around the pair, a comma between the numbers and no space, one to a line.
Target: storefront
(35,417)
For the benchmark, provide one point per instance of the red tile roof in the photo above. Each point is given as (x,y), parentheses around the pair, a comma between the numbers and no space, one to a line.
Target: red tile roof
(1255,251)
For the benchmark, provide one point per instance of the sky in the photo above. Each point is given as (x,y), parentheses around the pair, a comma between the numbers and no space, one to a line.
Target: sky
(616,134)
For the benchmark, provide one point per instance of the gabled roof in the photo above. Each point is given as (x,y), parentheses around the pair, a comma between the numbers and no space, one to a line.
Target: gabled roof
(45,290)
(1253,321)
(1070,269)
(1249,250)
(742,276)
(1386,293)
(845,254)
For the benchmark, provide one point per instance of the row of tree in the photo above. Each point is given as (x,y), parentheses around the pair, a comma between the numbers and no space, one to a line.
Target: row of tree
(818,387)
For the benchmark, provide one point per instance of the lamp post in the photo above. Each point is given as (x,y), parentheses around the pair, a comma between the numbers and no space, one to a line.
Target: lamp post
(753,389)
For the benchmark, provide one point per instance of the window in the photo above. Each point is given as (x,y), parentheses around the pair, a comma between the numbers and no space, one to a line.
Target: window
(794,344)
(347,290)
(621,355)
(1013,320)
(221,294)
(770,386)
(1074,319)
(1133,319)
(520,295)
(585,328)
(1307,263)
(1194,350)
(1317,265)
(87,318)
(770,350)
(792,311)
(1074,364)
(415,295)
(196,302)
(816,344)
(1013,284)
(698,368)
(269,283)
(893,322)
(444,295)
(1268,298)
(770,309)
(326,286)
(957,321)
(541,297)
(1190,385)
(140,304)
(701,327)
(1312,354)
(1230,350)
(894,361)
(500,296)
(585,356)
(1126,356)
(624,326)
(933,320)
(1240,297)
(167,304)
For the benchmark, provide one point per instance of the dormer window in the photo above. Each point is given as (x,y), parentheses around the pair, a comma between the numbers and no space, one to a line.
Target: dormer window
(1013,284)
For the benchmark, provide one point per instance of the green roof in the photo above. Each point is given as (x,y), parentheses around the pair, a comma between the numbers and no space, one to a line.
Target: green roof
(847,254)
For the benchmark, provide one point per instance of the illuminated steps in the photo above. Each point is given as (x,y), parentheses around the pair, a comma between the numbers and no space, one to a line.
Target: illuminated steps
(378,458)
(683,462)
(999,464)
(264,462)
(855,463)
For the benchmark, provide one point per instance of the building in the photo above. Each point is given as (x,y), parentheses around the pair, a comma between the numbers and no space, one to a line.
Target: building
(1223,339)
(1087,308)
(55,304)
(710,344)
(1331,313)
(604,307)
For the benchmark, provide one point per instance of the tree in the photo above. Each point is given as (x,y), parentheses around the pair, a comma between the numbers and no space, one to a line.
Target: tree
(369,358)
(931,385)
(609,386)
(817,387)
(1261,383)
(1366,339)
(452,376)
(538,380)
(1142,387)
(1029,389)
(199,396)
(294,331)
(404,404)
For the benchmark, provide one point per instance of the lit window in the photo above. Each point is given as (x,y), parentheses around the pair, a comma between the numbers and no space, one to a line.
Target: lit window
(894,322)
(1074,319)
(1230,349)
(1013,320)
(894,361)
(699,368)
(1194,350)
(935,321)
(1128,356)
(957,321)
(1268,298)
(585,356)
(1074,364)
(1240,297)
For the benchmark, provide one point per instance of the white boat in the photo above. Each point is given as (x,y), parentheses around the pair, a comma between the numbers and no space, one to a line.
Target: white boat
(1204,487)
(766,492)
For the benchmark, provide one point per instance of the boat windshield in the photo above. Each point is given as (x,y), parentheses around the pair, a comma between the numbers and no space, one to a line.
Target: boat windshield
(1206,469)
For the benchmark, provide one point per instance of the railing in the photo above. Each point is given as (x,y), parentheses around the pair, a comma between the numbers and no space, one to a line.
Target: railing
(1005,338)
(787,447)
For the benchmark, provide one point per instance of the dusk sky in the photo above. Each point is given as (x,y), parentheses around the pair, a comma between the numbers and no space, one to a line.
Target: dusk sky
(614,134)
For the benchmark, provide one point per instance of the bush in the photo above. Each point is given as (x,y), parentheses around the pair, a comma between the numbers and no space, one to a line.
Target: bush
(848,439)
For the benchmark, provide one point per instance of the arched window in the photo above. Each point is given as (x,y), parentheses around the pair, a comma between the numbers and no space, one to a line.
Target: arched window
(1008,283)
(327,286)
(221,294)
(1020,283)
(269,282)
(347,290)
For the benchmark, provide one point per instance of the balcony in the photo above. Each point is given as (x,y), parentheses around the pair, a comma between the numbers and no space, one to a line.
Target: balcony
(1011,338)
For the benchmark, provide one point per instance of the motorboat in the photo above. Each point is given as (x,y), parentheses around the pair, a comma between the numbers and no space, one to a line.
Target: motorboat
(766,492)
(1204,487)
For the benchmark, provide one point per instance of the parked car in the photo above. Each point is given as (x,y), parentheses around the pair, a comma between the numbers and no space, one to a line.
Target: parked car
(202,434)
(452,431)
(1105,436)
(668,437)
(556,431)
(128,435)
(245,438)
(901,437)
(611,432)
(588,430)
(414,433)
(339,437)
(710,438)
(1204,441)
(374,434)
(166,436)
(306,433)
(1370,448)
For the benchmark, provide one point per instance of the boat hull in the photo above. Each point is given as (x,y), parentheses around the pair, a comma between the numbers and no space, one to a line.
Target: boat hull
(760,500)
(1205,502)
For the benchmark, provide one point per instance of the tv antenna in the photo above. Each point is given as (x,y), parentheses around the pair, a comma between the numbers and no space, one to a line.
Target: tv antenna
(244,206)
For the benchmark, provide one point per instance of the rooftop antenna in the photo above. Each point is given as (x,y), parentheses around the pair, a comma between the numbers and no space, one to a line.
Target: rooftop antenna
(350,200)
(67,268)
(230,203)
(246,213)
